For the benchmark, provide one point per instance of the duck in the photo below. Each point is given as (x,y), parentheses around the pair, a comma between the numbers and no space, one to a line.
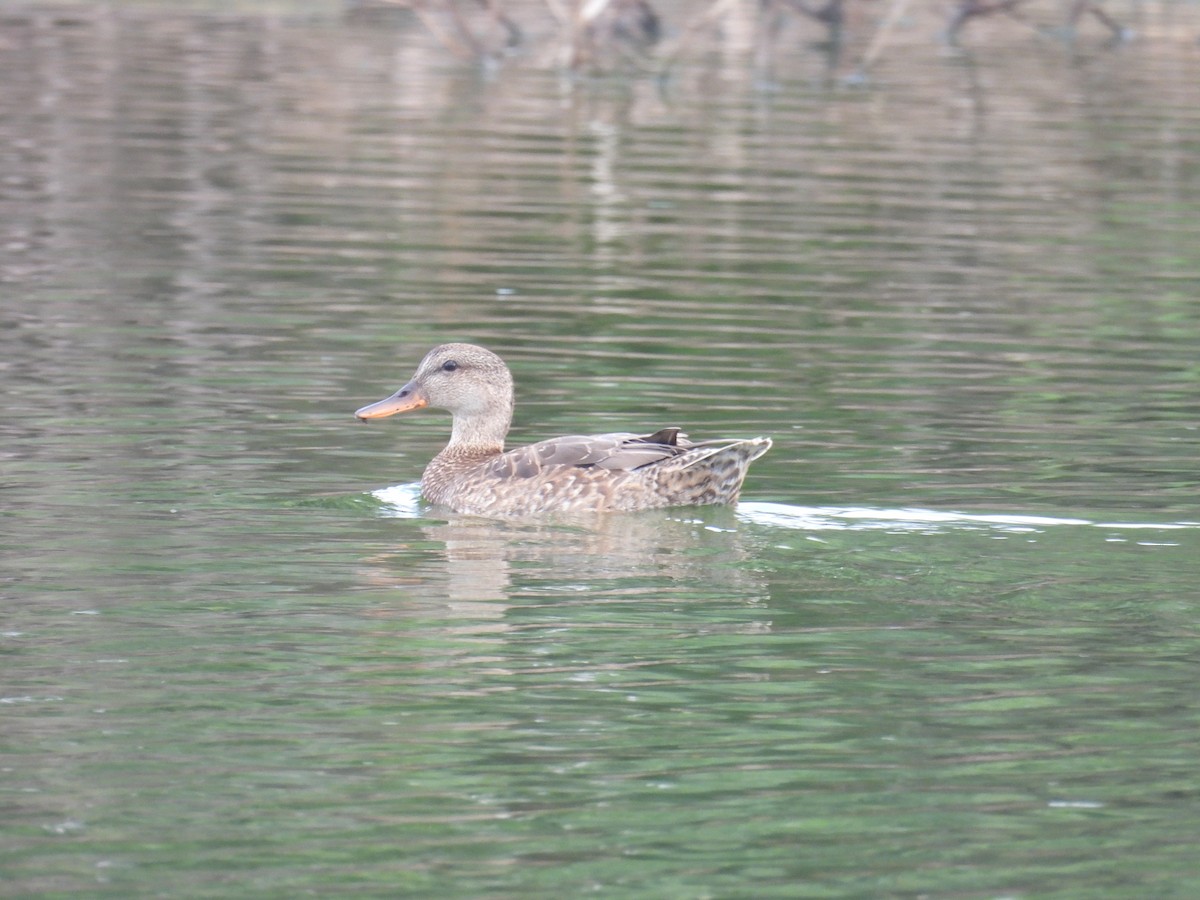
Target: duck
(617,472)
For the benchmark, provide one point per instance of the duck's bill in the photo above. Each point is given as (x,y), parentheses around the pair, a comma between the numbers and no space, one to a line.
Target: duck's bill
(408,397)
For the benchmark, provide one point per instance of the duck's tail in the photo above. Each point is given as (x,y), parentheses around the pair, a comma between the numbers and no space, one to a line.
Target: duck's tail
(710,471)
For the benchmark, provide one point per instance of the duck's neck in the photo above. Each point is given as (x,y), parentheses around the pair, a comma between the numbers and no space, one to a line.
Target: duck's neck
(479,435)
(473,441)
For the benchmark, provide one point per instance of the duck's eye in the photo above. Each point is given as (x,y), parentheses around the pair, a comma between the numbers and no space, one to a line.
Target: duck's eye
(449,365)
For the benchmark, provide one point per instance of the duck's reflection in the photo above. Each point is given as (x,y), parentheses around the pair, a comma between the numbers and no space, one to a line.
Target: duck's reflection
(475,568)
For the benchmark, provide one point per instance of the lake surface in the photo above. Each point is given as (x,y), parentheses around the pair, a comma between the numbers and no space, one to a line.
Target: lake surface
(946,646)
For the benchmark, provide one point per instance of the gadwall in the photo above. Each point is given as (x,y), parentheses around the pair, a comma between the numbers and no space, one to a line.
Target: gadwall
(575,473)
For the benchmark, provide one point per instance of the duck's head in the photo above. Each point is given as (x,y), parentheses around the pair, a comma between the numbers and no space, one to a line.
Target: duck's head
(472,383)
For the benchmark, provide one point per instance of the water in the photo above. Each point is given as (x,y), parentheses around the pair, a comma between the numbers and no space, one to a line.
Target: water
(945,647)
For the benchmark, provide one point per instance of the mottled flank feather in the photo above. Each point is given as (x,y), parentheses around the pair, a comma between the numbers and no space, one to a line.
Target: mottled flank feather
(575,473)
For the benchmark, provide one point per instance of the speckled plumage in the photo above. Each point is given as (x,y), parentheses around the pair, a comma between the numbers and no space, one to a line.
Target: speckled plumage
(574,473)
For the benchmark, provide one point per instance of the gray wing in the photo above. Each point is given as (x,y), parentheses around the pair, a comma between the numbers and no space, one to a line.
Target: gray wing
(619,450)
